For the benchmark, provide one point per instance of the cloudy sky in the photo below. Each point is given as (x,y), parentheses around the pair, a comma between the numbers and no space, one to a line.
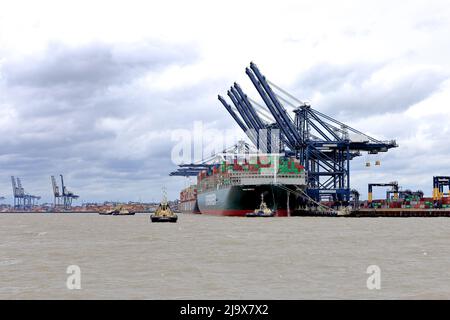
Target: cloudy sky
(94,90)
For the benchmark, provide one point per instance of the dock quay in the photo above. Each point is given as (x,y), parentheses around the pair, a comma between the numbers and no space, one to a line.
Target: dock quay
(399,212)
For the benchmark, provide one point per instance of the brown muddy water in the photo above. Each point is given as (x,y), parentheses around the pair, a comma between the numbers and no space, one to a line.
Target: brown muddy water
(207,257)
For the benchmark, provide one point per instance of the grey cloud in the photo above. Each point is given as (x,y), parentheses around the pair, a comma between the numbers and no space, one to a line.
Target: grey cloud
(94,65)
(70,80)
(60,101)
(327,77)
(414,162)
(347,91)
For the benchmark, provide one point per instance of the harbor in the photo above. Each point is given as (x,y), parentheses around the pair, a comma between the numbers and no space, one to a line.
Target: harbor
(295,159)
(229,157)
(361,213)
(299,159)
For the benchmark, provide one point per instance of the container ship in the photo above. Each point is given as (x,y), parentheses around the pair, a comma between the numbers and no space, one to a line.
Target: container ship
(235,189)
(188,200)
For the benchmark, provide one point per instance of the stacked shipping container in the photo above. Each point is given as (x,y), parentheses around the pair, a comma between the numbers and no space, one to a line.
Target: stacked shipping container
(259,165)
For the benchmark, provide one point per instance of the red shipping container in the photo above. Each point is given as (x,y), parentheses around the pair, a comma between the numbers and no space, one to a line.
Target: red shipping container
(446,200)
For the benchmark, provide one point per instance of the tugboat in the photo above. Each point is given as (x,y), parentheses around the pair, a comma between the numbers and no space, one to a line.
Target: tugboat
(163,213)
(122,211)
(118,211)
(262,211)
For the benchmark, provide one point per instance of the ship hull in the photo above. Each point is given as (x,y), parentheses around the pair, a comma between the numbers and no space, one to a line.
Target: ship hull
(241,200)
(189,207)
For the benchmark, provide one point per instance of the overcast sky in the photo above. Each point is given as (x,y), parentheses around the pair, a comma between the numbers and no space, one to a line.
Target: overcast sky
(94,90)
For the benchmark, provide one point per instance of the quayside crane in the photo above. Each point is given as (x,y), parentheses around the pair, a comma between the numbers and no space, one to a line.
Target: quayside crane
(283,124)
(56,194)
(22,200)
(62,194)
(324,145)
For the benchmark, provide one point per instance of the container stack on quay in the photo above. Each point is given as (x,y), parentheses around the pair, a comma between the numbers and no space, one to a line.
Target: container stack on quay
(412,202)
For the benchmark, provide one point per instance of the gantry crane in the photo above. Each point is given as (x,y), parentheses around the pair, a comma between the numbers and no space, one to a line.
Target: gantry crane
(394,190)
(439,182)
(67,195)
(322,144)
(56,193)
(22,200)
(16,193)
(62,194)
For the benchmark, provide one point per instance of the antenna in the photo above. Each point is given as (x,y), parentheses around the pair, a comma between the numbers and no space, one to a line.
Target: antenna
(164,192)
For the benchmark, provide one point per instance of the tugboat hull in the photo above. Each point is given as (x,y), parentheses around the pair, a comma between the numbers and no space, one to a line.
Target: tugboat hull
(260,215)
(172,219)
(124,214)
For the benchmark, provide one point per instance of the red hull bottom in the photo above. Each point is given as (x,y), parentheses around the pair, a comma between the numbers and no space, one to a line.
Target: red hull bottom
(239,213)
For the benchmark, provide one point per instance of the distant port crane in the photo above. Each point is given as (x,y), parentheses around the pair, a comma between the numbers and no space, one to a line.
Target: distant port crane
(56,193)
(394,190)
(22,200)
(62,194)
(439,182)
